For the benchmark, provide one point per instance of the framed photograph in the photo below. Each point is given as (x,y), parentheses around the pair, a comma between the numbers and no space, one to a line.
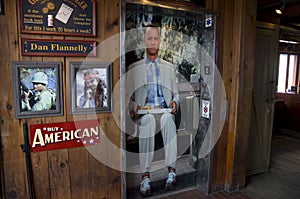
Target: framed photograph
(91,87)
(37,89)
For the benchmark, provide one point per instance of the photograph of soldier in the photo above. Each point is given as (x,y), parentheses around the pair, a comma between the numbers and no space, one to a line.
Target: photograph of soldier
(38,97)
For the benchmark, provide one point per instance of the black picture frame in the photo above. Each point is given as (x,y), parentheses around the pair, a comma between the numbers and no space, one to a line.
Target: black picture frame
(96,74)
(1,7)
(41,104)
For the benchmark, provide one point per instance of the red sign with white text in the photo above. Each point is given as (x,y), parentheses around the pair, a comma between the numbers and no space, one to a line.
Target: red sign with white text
(44,137)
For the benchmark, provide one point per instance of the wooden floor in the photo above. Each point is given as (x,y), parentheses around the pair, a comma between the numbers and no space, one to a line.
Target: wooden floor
(283,179)
(281,182)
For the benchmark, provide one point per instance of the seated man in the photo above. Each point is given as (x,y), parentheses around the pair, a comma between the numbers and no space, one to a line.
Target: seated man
(157,90)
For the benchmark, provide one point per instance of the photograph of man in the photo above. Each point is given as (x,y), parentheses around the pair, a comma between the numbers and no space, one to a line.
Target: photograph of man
(93,91)
(41,98)
(159,91)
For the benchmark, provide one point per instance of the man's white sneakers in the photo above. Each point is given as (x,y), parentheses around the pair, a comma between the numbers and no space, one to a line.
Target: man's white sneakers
(145,187)
(171,179)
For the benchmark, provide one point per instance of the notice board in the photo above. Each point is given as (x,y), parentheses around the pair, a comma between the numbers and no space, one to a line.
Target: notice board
(57,17)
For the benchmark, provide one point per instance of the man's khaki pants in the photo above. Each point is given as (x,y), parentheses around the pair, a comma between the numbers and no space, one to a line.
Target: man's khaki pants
(147,129)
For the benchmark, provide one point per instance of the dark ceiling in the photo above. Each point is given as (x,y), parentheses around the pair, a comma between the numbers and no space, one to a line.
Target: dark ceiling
(290,16)
(289,20)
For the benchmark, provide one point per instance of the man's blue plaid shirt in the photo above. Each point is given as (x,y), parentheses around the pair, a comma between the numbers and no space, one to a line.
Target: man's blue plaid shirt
(155,96)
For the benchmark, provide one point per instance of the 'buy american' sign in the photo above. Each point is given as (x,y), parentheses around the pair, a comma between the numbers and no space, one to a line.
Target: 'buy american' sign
(64,135)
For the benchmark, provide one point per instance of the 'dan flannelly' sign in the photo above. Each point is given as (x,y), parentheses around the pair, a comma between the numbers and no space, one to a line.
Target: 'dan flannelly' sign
(46,47)
(63,135)
(57,17)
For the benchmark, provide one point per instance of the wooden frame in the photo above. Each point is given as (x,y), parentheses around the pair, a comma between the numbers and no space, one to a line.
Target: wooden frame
(193,3)
(295,80)
(58,17)
(90,81)
(41,102)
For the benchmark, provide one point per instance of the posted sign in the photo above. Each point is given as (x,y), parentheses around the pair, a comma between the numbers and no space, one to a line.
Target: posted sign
(52,47)
(63,135)
(57,17)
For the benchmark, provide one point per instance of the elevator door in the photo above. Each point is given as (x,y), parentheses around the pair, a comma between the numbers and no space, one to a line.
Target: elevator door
(187,41)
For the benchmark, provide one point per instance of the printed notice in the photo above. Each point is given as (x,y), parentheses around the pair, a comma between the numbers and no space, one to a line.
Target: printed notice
(205,108)
(58,17)
(64,13)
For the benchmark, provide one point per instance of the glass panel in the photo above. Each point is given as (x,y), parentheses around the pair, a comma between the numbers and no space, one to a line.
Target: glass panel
(187,40)
(282,73)
(181,34)
(292,71)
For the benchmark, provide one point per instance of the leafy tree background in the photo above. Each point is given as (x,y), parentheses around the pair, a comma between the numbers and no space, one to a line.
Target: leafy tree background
(184,37)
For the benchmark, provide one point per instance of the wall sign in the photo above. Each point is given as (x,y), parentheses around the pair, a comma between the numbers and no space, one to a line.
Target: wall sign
(41,47)
(58,17)
(205,108)
(63,135)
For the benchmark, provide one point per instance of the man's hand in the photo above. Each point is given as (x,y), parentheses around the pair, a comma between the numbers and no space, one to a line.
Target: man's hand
(26,100)
(173,105)
(88,94)
(135,111)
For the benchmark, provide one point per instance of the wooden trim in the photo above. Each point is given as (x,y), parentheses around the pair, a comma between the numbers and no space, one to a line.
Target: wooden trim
(298,72)
(237,60)
(240,105)
(175,5)
(287,71)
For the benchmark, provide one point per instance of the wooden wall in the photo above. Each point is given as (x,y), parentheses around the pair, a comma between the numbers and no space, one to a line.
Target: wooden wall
(287,111)
(75,173)
(68,173)
(236,43)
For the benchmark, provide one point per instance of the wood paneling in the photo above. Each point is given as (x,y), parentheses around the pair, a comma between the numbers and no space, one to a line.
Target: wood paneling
(287,111)
(14,175)
(224,64)
(68,173)
(236,47)
(75,173)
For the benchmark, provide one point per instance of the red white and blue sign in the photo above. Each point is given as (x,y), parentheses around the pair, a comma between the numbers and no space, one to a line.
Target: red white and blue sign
(63,135)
